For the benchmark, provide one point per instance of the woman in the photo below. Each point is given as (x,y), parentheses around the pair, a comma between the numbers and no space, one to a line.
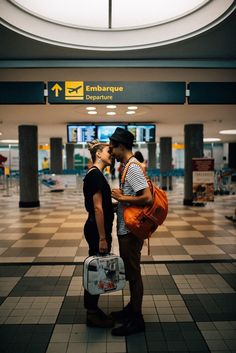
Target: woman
(98,227)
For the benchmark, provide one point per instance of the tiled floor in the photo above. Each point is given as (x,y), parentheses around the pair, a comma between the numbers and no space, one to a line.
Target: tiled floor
(54,232)
(189,280)
(187,307)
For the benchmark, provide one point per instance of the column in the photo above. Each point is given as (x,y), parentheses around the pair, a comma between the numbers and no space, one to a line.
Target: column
(56,155)
(152,159)
(166,162)
(70,147)
(28,166)
(193,148)
(232,155)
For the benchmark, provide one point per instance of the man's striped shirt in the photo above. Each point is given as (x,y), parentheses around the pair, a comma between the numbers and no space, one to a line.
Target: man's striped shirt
(134,182)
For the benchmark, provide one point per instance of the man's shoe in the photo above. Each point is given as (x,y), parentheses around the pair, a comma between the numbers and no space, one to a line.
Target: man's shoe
(135,325)
(122,315)
(99,319)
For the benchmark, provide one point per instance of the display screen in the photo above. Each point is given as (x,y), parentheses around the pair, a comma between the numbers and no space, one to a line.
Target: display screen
(81,133)
(77,133)
(105,131)
(143,133)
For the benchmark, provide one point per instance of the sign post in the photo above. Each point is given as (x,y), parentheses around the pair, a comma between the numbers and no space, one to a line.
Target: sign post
(203,180)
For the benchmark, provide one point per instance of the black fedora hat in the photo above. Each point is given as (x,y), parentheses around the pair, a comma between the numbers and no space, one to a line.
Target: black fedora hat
(122,136)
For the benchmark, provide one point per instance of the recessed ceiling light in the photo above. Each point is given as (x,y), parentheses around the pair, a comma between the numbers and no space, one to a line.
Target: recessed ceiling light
(92,112)
(9,141)
(228,132)
(133,107)
(211,139)
(130,112)
(91,108)
(110,106)
(111,113)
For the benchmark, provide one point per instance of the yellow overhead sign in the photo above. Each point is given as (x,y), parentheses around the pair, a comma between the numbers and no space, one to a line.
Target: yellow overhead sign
(73,92)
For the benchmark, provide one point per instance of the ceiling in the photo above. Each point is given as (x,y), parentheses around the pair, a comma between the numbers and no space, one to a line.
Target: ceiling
(215,49)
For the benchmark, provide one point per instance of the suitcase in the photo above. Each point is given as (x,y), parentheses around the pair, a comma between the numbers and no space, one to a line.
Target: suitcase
(103,274)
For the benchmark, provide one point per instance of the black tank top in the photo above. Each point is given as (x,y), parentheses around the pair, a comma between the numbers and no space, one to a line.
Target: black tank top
(95,181)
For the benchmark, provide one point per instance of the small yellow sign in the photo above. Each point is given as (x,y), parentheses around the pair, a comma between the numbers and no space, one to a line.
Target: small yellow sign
(7,171)
(74,90)
(43,147)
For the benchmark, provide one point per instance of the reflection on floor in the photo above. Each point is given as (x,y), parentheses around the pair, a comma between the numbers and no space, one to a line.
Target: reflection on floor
(54,232)
(189,280)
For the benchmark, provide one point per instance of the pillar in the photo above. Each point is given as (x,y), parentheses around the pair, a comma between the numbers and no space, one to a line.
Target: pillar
(56,155)
(193,148)
(166,162)
(232,155)
(28,166)
(70,155)
(152,159)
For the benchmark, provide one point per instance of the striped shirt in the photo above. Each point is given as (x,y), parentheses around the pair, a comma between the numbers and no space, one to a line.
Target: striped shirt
(134,182)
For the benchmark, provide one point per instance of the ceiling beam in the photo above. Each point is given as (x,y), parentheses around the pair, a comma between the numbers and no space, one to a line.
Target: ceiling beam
(208,64)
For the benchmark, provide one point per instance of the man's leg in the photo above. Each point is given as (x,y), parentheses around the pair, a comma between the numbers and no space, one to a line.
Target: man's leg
(130,251)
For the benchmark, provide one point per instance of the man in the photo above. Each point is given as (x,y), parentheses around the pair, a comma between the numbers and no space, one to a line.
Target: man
(134,191)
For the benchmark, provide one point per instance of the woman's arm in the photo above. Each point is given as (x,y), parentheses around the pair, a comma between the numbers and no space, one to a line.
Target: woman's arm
(99,217)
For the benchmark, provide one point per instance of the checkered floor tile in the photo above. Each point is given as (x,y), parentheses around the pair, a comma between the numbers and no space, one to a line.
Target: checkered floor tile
(189,302)
(53,233)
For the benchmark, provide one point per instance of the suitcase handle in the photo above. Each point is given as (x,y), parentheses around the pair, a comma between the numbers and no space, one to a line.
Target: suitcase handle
(103,254)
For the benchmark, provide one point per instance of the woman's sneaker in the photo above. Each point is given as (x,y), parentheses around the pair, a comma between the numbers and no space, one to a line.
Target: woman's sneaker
(99,319)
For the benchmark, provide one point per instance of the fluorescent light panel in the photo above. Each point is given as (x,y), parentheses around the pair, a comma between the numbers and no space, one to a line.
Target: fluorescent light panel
(228,132)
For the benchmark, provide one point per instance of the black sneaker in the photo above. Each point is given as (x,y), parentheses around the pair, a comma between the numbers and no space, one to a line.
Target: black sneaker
(122,315)
(99,319)
(135,325)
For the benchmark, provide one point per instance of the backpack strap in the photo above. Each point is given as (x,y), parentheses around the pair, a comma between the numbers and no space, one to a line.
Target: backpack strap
(126,170)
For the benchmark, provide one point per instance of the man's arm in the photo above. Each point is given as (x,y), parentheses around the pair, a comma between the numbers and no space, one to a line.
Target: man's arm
(142,197)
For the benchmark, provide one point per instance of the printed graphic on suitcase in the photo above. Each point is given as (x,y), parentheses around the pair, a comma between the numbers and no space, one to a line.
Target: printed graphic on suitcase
(103,274)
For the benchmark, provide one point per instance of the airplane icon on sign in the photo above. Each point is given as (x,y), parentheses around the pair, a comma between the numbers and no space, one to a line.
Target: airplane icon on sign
(74,89)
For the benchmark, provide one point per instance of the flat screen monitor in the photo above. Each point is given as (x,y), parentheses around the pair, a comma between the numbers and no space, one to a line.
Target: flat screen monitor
(105,131)
(143,133)
(81,133)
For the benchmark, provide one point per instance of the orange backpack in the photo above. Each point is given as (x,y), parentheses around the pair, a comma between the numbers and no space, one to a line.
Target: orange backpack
(142,221)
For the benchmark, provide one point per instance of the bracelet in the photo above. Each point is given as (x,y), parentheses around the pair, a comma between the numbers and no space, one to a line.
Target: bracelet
(100,239)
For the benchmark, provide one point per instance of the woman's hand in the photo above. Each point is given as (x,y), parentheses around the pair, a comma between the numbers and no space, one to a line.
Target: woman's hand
(103,248)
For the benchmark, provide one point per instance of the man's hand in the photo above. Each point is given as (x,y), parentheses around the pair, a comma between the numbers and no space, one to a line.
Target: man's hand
(116,194)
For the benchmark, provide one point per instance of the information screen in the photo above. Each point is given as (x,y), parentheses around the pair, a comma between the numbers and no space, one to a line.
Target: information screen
(143,133)
(77,133)
(81,133)
(105,131)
